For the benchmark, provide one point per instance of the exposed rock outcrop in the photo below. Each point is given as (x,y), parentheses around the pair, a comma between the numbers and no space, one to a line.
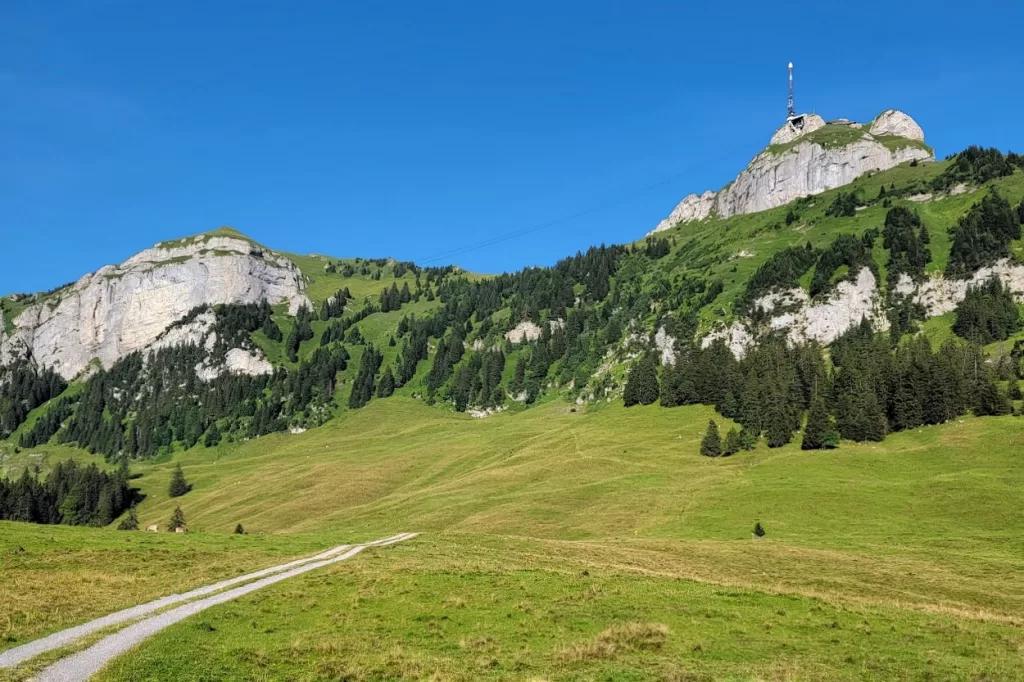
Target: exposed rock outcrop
(806,160)
(523,332)
(807,168)
(666,345)
(236,361)
(125,308)
(939,295)
(797,128)
(694,208)
(893,122)
(803,320)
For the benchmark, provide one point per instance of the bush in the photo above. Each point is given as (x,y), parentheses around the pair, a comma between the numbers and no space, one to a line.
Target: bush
(130,522)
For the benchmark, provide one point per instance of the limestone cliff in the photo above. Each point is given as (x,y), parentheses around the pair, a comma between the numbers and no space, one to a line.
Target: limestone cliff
(802,319)
(808,156)
(125,308)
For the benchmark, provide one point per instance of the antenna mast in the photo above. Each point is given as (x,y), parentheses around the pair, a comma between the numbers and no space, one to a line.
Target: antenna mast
(792,111)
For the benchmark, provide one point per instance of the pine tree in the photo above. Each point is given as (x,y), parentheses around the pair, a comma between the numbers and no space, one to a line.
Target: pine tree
(291,345)
(711,446)
(732,443)
(779,429)
(1013,389)
(239,530)
(758,530)
(177,520)
(105,510)
(748,439)
(386,387)
(179,486)
(820,433)
(642,384)
(130,522)
(990,400)
(213,436)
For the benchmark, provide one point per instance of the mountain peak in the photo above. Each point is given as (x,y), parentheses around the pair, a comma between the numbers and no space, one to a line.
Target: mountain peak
(808,155)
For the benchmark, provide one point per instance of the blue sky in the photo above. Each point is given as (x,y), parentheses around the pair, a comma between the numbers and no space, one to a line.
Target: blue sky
(414,129)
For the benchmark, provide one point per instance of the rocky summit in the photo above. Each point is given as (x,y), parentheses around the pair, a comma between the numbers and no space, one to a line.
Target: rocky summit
(807,156)
(124,308)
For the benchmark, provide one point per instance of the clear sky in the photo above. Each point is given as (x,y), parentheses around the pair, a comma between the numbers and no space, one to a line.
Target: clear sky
(413,129)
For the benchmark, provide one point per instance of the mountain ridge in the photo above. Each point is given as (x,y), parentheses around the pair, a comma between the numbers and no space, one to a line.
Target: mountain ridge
(807,156)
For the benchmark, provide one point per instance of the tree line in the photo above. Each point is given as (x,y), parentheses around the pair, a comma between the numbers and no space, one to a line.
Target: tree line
(71,494)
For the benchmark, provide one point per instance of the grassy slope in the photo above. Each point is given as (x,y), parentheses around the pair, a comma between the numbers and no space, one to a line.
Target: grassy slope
(543,528)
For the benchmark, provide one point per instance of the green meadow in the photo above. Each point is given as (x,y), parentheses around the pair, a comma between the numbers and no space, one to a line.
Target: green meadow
(562,543)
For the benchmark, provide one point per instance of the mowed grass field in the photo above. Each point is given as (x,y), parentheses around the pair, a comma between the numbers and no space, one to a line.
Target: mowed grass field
(569,543)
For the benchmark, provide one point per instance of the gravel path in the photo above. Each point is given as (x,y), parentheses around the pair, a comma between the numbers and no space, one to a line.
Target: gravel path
(20,654)
(82,665)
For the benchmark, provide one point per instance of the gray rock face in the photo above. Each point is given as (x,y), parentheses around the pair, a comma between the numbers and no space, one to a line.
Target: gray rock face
(893,122)
(789,131)
(806,169)
(125,308)
(825,321)
(805,166)
(694,208)
(793,312)
(939,295)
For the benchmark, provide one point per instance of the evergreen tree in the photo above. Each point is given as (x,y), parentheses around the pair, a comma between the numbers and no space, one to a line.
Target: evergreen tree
(239,529)
(820,433)
(386,387)
(179,486)
(1013,389)
(987,314)
(130,522)
(732,443)
(779,427)
(711,445)
(983,235)
(177,520)
(990,401)
(759,530)
(642,384)
(748,439)
(213,436)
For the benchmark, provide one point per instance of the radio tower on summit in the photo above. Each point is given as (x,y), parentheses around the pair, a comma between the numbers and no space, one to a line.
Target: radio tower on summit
(792,111)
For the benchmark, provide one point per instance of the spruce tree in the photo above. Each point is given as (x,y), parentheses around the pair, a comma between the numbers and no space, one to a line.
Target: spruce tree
(177,520)
(642,384)
(239,529)
(748,439)
(711,446)
(1013,389)
(779,429)
(820,433)
(386,387)
(179,486)
(213,436)
(732,443)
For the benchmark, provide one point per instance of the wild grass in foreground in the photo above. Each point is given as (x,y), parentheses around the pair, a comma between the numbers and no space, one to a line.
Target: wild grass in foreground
(52,577)
(440,610)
